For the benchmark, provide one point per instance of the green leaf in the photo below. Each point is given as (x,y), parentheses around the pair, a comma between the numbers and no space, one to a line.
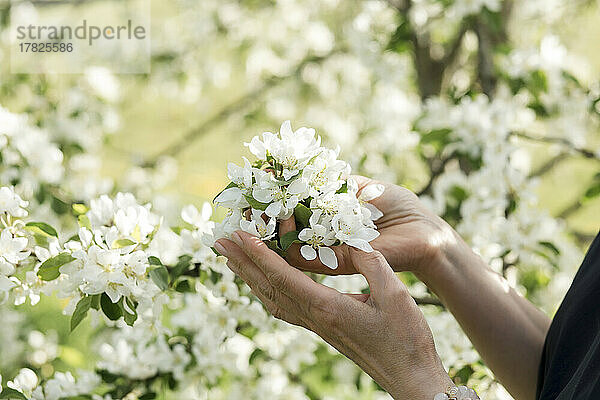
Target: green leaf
(287,240)
(110,309)
(8,393)
(257,205)
(160,276)
(96,302)
(344,188)
(59,206)
(152,260)
(42,228)
(273,245)
(148,396)
(400,41)
(127,316)
(539,82)
(107,377)
(81,311)
(257,354)
(593,191)
(120,243)
(231,185)
(41,239)
(75,238)
(84,221)
(183,286)
(215,276)
(302,214)
(438,138)
(79,209)
(49,270)
(181,267)
(551,246)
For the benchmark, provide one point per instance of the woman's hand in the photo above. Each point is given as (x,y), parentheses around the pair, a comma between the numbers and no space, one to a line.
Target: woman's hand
(411,237)
(384,332)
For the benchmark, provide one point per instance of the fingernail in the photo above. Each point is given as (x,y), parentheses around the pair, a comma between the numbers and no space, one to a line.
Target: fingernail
(235,236)
(221,249)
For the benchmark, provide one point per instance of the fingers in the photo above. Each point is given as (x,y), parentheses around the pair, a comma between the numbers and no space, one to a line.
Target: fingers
(362,181)
(277,303)
(278,311)
(279,273)
(362,297)
(287,225)
(382,281)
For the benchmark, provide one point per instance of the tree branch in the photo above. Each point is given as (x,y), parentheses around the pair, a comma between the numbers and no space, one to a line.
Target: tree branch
(583,238)
(437,167)
(571,209)
(485,59)
(583,152)
(232,109)
(454,47)
(428,301)
(548,165)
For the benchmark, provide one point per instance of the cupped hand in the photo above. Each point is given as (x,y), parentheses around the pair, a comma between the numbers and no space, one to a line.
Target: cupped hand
(411,237)
(384,332)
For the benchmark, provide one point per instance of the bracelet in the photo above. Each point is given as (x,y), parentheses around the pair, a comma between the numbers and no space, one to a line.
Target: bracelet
(457,393)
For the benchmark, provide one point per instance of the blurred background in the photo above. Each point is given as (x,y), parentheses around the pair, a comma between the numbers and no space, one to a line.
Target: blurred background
(486,108)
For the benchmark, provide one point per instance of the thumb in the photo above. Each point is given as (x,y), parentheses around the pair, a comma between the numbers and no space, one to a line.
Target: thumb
(378,272)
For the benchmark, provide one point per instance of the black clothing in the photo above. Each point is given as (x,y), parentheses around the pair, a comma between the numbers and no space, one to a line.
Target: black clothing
(570,364)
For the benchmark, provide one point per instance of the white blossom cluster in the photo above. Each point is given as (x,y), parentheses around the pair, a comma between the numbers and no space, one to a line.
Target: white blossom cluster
(109,254)
(295,175)
(106,256)
(61,385)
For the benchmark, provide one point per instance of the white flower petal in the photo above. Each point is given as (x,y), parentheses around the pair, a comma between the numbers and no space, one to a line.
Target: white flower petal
(228,195)
(299,186)
(305,234)
(286,129)
(249,226)
(360,244)
(206,211)
(274,209)
(289,174)
(262,195)
(308,252)
(375,213)
(5,284)
(189,214)
(328,257)
(369,234)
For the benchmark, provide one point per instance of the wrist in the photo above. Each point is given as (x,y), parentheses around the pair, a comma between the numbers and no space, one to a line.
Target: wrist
(423,386)
(419,374)
(445,248)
